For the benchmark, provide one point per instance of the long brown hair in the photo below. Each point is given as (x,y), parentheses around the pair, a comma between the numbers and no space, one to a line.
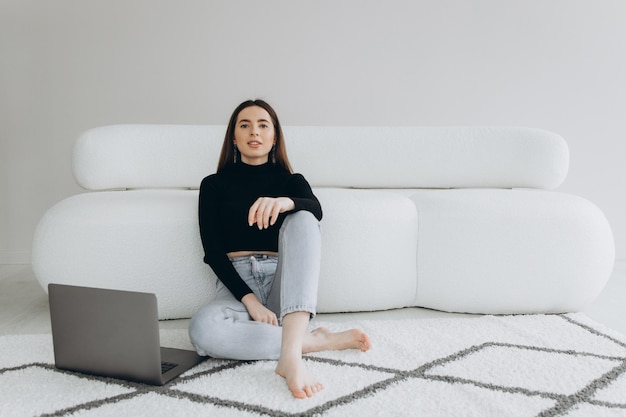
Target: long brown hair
(226,156)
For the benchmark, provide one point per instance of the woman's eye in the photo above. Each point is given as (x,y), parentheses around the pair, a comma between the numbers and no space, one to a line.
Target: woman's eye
(243,125)
(264,126)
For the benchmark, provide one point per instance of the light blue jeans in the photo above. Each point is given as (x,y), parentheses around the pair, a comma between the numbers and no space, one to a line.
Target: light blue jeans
(284,284)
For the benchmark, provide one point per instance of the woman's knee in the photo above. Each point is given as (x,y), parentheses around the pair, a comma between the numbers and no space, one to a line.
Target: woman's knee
(301,221)
(199,327)
(208,328)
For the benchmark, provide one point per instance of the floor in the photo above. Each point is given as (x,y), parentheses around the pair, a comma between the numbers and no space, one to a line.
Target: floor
(24,304)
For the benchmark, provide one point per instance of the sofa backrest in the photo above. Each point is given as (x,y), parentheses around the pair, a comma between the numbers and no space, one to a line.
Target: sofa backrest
(179,156)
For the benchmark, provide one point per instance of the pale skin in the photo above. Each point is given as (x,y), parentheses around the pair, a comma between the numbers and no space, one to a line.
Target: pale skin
(254,138)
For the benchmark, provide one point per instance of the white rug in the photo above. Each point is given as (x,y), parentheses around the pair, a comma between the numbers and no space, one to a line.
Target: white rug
(533,365)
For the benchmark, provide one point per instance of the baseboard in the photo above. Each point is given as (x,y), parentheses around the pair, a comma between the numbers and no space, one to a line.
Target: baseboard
(14,258)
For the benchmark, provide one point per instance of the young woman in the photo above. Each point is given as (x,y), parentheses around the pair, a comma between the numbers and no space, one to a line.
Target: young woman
(259,225)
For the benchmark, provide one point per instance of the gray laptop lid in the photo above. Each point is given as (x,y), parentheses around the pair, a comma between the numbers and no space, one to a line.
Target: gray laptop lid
(112,333)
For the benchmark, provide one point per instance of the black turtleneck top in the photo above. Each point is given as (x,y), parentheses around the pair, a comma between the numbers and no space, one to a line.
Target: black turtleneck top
(224,202)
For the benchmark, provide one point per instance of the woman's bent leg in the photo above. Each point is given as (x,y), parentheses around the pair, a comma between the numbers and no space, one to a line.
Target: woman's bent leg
(223,329)
(293,297)
(297,274)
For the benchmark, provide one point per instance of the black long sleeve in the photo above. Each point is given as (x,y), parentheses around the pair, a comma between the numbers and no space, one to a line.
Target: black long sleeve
(223,205)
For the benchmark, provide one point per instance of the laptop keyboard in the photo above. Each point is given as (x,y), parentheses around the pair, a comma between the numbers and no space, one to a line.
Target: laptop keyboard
(166,366)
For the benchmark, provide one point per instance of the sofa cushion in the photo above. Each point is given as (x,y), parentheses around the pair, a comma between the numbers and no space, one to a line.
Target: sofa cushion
(179,156)
(428,157)
(142,240)
(146,156)
(369,239)
(510,251)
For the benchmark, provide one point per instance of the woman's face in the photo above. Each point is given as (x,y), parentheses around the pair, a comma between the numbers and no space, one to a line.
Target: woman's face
(254,135)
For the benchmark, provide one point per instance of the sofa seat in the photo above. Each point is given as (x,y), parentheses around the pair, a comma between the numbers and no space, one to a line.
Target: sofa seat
(510,251)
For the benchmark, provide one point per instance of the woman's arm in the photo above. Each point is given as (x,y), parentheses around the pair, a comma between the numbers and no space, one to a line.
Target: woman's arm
(264,211)
(214,254)
(302,195)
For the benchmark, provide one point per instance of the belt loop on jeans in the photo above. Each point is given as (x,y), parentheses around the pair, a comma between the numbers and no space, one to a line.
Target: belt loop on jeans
(254,264)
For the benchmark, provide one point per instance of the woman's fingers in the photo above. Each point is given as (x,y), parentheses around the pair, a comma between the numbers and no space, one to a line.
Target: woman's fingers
(265,211)
(258,311)
(259,213)
(252,213)
(263,315)
(274,214)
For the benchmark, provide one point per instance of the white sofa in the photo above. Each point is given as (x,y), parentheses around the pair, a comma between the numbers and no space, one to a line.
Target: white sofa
(455,219)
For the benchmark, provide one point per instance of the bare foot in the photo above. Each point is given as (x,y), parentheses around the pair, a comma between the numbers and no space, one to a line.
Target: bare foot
(300,383)
(323,339)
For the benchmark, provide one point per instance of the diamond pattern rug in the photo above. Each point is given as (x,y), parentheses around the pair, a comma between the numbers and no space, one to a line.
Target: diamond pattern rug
(525,365)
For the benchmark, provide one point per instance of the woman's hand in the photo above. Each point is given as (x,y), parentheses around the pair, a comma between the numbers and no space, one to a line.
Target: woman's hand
(258,311)
(265,210)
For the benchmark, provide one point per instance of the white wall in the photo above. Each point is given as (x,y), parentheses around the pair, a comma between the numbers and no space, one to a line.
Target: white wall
(68,65)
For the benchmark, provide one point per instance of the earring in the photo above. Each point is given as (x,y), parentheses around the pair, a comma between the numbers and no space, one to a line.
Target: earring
(234,153)
(274,154)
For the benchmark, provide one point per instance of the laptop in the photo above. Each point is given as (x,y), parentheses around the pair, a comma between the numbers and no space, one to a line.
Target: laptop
(112,333)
